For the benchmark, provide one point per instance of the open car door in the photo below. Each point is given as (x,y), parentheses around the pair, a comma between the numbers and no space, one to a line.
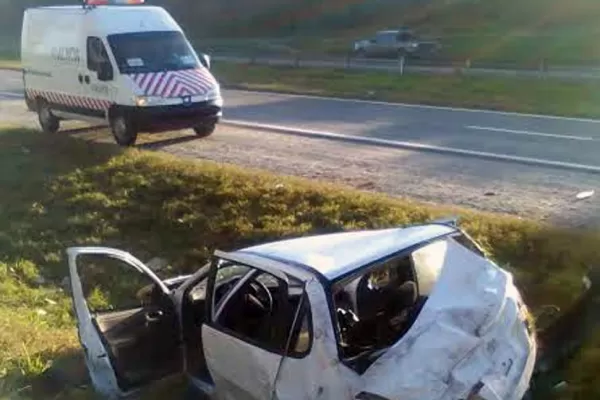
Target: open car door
(127,322)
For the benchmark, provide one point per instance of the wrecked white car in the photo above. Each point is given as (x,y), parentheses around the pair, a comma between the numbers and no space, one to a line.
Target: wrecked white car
(408,313)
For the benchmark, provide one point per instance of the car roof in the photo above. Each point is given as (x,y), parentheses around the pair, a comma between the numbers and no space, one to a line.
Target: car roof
(338,254)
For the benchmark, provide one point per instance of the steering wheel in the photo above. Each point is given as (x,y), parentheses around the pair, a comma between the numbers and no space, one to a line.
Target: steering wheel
(261,296)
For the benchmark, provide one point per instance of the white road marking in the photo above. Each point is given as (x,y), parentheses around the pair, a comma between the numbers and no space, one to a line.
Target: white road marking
(414,146)
(11,95)
(422,106)
(528,133)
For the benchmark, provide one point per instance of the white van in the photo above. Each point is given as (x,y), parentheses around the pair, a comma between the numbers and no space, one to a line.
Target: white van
(117,62)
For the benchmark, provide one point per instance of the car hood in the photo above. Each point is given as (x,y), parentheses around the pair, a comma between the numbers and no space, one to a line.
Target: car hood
(460,315)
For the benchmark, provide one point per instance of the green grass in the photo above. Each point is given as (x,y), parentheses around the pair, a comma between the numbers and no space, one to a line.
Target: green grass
(491,31)
(506,31)
(61,190)
(531,95)
(9,64)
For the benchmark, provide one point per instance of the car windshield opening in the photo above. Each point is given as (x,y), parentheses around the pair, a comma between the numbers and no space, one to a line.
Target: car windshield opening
(144,52)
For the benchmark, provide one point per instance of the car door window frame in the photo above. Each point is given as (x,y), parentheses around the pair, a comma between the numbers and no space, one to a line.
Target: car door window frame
(385,39)
(85,318)
(348,277)
(151,285)
(404,37)
(294,330)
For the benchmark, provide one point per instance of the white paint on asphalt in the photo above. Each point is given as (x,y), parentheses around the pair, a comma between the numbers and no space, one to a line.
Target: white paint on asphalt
(11,95)
(415,146)
(422,106)
(528,133)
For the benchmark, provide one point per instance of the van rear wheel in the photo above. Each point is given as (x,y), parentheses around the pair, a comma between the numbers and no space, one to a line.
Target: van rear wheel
(123,130)
(48,121)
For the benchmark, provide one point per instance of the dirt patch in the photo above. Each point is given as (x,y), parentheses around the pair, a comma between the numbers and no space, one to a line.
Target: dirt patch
(532,192)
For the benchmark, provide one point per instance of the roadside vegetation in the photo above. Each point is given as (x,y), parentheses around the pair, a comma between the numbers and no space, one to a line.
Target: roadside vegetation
(9,63)
(531,95)
(60,190)
(496,31)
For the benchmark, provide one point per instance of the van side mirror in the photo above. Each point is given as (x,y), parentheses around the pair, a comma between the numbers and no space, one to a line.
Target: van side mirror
(205,60)
(105,72)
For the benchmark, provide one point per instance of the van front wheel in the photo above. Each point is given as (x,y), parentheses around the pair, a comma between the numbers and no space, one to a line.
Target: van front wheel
(48,121)
(123,130)
(205,130)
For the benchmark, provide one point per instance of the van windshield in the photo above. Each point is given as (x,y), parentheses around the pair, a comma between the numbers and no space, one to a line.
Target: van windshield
(143,52)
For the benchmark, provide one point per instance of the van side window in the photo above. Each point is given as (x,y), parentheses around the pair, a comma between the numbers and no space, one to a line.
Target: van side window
(97,58)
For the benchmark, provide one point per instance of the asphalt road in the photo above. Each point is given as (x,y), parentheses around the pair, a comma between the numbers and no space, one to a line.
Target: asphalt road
(556,140)
(544,138)
(459,171)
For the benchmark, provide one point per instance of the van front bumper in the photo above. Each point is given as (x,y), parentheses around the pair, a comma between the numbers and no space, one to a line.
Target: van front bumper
(174,117)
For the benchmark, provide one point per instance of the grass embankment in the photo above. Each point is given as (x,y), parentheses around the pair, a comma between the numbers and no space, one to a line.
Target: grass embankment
(9,64)
(544,96)
(497,31)
(59,191)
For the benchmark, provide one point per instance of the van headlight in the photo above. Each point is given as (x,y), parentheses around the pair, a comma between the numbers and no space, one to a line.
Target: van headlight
(218,101)
(143,101)
(215,97)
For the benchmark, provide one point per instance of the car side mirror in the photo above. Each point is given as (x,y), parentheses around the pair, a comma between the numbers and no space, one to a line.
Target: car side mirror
(105,72)
(205,60)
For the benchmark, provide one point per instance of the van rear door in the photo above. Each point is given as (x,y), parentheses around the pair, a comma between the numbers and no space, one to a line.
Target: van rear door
(51,55)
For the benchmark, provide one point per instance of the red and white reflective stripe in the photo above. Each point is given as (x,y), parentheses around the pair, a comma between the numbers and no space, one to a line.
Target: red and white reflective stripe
(175,83)
(69,100)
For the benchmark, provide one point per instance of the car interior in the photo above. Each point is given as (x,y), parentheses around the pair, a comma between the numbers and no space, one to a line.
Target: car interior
(257,308)
(375,309)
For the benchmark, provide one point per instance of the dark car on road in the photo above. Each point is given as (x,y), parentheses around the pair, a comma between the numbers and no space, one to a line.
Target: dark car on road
(395,43)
